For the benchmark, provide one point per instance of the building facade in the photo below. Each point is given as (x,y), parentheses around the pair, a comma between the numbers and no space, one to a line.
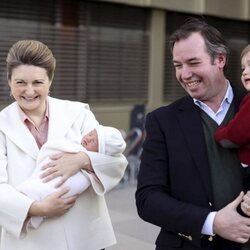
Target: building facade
(113,54)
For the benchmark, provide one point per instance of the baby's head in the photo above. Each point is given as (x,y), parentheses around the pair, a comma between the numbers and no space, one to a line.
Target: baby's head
(245,66)
(110,141)
(105,140)
(90,141)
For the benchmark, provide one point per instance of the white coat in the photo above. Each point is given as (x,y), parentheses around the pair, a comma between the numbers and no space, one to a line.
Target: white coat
(87,226)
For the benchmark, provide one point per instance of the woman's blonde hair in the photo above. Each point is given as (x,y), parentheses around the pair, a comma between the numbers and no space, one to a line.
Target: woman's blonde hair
(31,52)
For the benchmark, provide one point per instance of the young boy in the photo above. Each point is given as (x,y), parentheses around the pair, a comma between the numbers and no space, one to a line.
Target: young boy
(236,134)
(104,140)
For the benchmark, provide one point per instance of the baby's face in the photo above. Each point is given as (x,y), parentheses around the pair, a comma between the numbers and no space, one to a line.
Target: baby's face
(245,66)
(90,141)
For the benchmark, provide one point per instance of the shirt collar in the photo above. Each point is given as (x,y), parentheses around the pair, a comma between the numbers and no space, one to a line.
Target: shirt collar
(24,117)
(228,98)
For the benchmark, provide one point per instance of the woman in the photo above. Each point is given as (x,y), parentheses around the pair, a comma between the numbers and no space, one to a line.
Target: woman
(76,222)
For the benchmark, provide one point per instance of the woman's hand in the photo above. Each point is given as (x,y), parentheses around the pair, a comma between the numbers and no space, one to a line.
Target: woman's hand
(65,165)
(53,205)
(245,204)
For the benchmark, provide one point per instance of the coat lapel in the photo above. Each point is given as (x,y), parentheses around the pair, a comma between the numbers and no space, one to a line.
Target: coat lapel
(190,122)
(17,132)
(62,115)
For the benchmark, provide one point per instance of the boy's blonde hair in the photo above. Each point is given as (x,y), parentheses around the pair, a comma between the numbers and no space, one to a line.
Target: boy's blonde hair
(245,51)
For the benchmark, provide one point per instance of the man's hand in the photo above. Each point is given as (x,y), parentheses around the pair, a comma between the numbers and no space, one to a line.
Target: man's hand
(230,225)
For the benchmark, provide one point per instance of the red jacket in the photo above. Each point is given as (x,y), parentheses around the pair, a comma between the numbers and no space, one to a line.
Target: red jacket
(237,131)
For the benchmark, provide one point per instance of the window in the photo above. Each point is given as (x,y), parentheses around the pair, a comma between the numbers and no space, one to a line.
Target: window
(102,49)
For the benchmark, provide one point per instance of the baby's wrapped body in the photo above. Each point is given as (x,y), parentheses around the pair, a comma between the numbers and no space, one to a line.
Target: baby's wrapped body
(35,188)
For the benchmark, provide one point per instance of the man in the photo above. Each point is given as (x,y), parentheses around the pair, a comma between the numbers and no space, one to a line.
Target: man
(188,185)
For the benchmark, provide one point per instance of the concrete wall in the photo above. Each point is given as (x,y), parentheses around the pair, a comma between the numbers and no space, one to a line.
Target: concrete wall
(118,116)
(235,9)
(232,9)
